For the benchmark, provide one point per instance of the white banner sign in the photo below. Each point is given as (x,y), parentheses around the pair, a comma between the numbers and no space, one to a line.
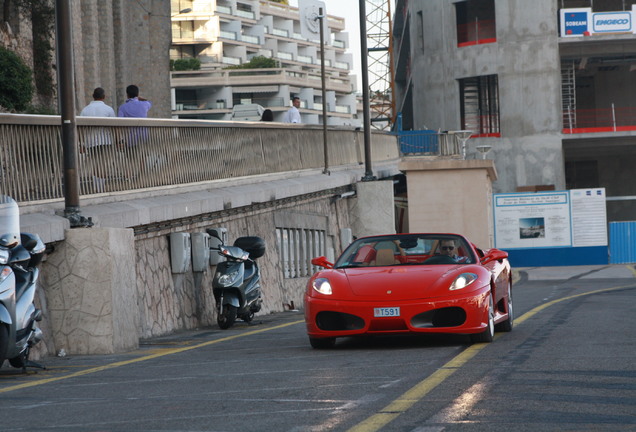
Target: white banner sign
(573,218)
(309,21)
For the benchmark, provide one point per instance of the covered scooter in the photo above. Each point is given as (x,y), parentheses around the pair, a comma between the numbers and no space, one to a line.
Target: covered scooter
(237,282)
(20,254)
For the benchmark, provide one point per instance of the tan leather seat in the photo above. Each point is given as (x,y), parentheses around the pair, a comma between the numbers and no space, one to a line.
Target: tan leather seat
(385,257)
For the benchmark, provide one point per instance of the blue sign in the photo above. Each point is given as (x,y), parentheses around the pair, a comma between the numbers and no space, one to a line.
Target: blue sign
(575,23)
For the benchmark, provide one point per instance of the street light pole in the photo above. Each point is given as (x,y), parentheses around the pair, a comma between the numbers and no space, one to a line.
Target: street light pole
(321,17)
(368,171)
(66,95)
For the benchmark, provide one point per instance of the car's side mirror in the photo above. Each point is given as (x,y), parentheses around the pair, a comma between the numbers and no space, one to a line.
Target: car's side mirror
(321,261)
(494,255)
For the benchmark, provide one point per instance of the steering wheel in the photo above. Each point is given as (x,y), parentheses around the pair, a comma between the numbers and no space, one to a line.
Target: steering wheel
(440,259)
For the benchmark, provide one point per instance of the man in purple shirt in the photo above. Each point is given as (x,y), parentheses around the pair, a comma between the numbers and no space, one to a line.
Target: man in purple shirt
(134,106)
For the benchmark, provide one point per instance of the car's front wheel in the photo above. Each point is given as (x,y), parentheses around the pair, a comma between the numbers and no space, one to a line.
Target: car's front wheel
(489,334)
(322,343)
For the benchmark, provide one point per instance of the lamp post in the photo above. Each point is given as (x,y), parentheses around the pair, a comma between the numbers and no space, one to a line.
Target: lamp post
(463,136)
(66,92)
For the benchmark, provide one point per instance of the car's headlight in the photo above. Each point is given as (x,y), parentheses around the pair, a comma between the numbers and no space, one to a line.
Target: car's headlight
(463,280)
(228,278)
(322,285)
(4,256)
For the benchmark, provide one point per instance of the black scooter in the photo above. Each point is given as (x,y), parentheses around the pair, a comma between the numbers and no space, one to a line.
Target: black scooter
(237,282)
(20,255)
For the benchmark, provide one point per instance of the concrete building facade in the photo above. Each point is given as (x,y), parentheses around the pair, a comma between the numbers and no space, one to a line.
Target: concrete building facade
(554,108)
(224,34)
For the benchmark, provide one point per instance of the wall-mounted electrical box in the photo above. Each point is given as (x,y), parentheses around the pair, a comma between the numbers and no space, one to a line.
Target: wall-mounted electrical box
(200,251)
(215,258)
(180,252)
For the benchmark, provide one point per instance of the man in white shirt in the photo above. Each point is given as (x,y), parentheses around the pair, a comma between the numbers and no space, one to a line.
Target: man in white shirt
(293,115)
(97,108)
(96,142)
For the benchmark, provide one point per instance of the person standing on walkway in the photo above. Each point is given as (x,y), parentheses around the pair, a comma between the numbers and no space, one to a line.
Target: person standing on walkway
(97,108)
(293,115)
(135,105)
(97,142)
(138,107)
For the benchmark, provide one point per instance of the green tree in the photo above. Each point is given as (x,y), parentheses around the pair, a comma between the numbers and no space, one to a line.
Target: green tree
(42,14)
(16,87)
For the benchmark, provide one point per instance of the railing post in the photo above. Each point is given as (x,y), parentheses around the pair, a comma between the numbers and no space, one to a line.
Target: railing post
(613,117)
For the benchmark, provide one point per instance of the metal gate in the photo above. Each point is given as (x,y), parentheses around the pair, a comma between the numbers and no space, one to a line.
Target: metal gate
(622,241)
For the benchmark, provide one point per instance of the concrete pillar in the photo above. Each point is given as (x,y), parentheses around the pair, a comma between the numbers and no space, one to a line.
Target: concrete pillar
(91,291)
(451,196)
(373,211)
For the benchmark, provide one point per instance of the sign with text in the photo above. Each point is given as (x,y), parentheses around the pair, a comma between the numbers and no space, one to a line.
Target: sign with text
(583,22)
(575,218)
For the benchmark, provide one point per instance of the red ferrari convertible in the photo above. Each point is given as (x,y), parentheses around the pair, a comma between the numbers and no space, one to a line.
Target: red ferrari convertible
(409,283)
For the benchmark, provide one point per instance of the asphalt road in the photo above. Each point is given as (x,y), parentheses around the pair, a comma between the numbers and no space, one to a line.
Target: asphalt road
(568,365)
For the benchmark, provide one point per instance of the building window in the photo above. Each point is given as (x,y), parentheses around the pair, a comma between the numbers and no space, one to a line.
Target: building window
(475,22)
(183,30)
(598,6)
(297,247)
(479,98)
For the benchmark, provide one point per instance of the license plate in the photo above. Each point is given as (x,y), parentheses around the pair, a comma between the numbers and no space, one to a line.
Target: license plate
(386,312)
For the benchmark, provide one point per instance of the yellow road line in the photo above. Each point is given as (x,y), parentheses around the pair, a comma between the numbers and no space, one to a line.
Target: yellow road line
(158,353)
(424,387)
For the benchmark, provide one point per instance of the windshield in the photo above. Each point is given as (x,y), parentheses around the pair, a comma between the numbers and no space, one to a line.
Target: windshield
(407,249)
(9,222)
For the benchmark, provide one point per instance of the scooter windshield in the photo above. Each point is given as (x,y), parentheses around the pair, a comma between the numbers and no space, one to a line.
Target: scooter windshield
(9,222)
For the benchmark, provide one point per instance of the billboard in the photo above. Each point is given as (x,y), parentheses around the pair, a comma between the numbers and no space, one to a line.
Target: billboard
(552,228)
(583,22)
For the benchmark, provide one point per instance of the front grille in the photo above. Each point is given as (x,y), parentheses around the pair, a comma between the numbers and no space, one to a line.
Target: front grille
(444,317)
(338,321)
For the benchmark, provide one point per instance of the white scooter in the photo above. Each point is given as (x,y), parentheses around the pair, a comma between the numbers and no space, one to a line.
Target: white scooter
(20,254)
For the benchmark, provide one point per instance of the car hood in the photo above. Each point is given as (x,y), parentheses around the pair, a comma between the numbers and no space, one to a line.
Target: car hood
(402,282)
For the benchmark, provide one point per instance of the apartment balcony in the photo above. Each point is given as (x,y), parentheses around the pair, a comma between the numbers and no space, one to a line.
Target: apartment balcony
(238,39)
(256,77)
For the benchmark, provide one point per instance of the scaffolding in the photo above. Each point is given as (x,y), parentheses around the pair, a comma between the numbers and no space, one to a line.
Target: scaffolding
(380,63)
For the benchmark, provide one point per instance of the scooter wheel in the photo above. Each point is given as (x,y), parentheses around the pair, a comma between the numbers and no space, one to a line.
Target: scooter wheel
(4,342)
(227,316)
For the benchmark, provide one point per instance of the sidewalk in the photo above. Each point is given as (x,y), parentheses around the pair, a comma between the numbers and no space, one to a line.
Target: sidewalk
(606,271)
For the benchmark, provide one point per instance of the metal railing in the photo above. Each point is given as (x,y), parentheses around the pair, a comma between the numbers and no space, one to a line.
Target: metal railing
(599,119)
(476,32)
(429,143)
(135,154)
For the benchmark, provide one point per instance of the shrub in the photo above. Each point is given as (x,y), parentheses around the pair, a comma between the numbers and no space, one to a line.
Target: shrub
(16,86)
(185,64)
(258,62)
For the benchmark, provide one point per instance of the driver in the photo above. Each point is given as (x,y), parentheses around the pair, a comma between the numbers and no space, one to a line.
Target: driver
(448,248)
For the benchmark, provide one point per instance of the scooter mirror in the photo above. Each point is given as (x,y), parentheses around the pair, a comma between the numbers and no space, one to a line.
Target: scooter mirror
(214,233)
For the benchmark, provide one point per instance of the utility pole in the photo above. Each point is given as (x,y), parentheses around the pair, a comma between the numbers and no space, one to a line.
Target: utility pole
(66,95)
